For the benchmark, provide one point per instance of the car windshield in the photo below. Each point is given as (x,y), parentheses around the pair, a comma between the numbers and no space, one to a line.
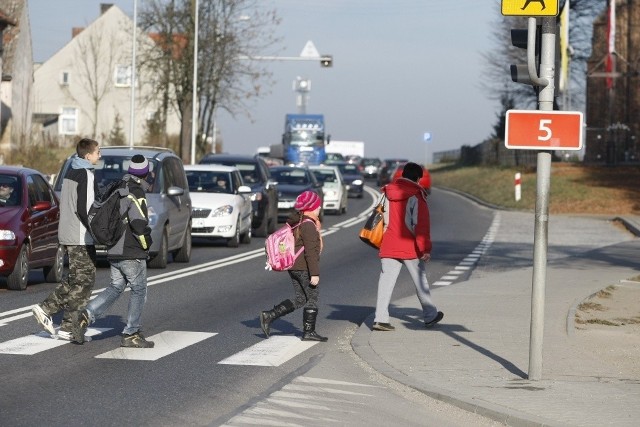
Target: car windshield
(112,168)
(291,176)
(10,191)
(348,169)
(371,162)
(325,175)
(209,181)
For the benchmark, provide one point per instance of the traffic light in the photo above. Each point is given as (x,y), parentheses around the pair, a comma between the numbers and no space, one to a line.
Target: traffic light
(519,38)
(326,61)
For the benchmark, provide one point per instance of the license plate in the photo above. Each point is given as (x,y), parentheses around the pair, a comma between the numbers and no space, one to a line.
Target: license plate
(198,223)
(285,205)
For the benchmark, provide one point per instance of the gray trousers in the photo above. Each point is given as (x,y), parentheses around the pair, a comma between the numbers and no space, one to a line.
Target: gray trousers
(388,276)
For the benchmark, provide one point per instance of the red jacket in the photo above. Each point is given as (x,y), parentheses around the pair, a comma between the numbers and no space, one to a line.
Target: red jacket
(408,229)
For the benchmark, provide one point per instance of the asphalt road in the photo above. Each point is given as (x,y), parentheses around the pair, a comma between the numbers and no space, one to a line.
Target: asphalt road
(206,312)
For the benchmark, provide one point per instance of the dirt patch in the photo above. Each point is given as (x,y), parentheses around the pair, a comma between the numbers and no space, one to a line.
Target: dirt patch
(616,306)
(608,330)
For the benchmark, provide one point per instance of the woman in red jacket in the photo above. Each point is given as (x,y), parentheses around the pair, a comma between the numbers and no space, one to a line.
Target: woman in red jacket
(407,241)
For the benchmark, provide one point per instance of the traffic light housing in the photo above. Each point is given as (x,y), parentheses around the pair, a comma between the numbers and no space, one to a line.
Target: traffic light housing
(326,61)
(519,38)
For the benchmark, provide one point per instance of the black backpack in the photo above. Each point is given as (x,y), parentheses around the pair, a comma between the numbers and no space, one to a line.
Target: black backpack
(106,225)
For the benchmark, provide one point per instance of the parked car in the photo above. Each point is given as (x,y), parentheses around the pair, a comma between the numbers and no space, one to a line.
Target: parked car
(264,197)
(369,167)
(425,181)
(292,181)
(221,203)
(352,177)
(333,187)
(386,169)
(168,199)
(29,216)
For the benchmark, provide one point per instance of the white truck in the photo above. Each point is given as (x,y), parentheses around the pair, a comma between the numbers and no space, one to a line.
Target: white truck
(346,148)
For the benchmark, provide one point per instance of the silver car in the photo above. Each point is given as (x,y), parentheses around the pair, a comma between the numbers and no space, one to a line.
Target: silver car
(168,199)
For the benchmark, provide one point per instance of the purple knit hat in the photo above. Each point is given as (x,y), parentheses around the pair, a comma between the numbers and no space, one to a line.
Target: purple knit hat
(139,165)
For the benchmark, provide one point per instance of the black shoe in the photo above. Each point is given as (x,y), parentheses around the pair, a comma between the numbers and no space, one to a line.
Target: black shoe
(79,326)
(266,317)
(135,340)
(438,318)
(379,326)
(313,336)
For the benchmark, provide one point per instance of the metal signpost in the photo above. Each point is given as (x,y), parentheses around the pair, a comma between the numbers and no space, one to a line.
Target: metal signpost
(543,130)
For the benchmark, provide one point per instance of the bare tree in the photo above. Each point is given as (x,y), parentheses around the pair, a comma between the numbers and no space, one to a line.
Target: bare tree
(228,31)
(97,54)
(498,83)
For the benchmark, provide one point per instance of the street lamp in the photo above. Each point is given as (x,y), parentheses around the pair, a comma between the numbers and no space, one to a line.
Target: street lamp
(194,121)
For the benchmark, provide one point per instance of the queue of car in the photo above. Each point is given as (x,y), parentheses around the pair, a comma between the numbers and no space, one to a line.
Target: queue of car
(224,197)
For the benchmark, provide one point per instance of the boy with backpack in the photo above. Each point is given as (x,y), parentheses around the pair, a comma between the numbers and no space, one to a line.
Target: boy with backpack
(305,271)
(78,192)
(128,259)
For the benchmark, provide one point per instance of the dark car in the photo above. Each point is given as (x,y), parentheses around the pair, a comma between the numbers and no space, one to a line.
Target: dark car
(264,197)
(386,169)
(168,199)
(292,181)
(369,167)
(352,177)
(29,216)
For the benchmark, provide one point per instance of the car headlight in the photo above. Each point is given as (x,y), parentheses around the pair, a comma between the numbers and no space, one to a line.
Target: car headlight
(153,216)
(256,197)
(357,182)
(223,211)
(7,235)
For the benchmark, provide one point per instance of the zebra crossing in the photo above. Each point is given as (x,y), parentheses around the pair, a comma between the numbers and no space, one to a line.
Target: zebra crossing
(272,352)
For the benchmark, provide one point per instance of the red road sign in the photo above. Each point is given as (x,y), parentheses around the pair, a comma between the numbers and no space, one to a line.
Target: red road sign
(544,130)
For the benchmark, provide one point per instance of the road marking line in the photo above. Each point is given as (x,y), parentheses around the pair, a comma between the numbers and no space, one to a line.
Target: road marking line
(166,342)
(270,352)
(42,341)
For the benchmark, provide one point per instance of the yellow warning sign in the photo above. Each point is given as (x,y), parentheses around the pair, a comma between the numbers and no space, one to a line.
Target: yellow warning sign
(530,7)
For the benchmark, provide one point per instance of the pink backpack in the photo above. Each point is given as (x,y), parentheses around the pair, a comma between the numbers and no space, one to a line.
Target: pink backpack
(280,248)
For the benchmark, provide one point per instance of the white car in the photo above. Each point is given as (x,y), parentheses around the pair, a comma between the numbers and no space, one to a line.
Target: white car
(221,203)
(333,187)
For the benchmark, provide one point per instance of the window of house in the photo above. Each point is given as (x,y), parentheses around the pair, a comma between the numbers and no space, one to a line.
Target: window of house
(65,78)
(69,121)
(123,75)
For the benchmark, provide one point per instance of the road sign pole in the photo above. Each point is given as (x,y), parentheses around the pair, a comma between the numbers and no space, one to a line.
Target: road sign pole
(545,103)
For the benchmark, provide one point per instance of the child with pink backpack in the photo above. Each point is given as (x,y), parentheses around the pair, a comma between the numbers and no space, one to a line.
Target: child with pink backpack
(305,271)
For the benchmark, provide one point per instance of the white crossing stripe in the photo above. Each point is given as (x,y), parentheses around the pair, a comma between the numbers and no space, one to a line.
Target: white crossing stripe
(166,342)
(42,341)
(270,352)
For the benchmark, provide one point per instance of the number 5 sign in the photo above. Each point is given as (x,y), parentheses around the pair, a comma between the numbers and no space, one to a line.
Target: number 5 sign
(544,130)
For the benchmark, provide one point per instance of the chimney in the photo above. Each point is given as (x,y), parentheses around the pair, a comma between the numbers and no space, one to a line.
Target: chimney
(75,31)
(104,7)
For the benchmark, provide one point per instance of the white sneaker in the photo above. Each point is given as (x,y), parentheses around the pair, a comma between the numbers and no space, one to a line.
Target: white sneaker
(64,335)
(43,319)
(67,336)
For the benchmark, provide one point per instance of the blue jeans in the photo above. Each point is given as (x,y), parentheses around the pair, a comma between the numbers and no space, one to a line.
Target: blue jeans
(132,272)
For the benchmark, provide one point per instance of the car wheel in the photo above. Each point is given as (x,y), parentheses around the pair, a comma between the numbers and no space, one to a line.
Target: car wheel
(160,260)
(234,242)
(246,237)
(263,230)
(53,274)
(17,280)
(184,253)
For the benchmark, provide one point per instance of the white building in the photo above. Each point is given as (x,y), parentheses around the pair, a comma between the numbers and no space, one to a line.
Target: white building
(84,89)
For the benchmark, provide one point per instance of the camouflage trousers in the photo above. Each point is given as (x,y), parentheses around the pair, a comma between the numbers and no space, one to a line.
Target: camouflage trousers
(74,291)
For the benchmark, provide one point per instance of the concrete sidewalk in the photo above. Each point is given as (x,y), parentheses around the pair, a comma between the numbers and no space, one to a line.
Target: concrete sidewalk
(477,358)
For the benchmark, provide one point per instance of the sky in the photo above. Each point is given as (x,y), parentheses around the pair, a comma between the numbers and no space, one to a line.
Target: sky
(401,69)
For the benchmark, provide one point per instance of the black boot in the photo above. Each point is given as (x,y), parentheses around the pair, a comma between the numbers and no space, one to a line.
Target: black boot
(309,326)
(266,317)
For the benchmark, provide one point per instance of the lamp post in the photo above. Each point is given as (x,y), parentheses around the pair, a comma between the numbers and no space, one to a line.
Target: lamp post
(133,74)
(194,95)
